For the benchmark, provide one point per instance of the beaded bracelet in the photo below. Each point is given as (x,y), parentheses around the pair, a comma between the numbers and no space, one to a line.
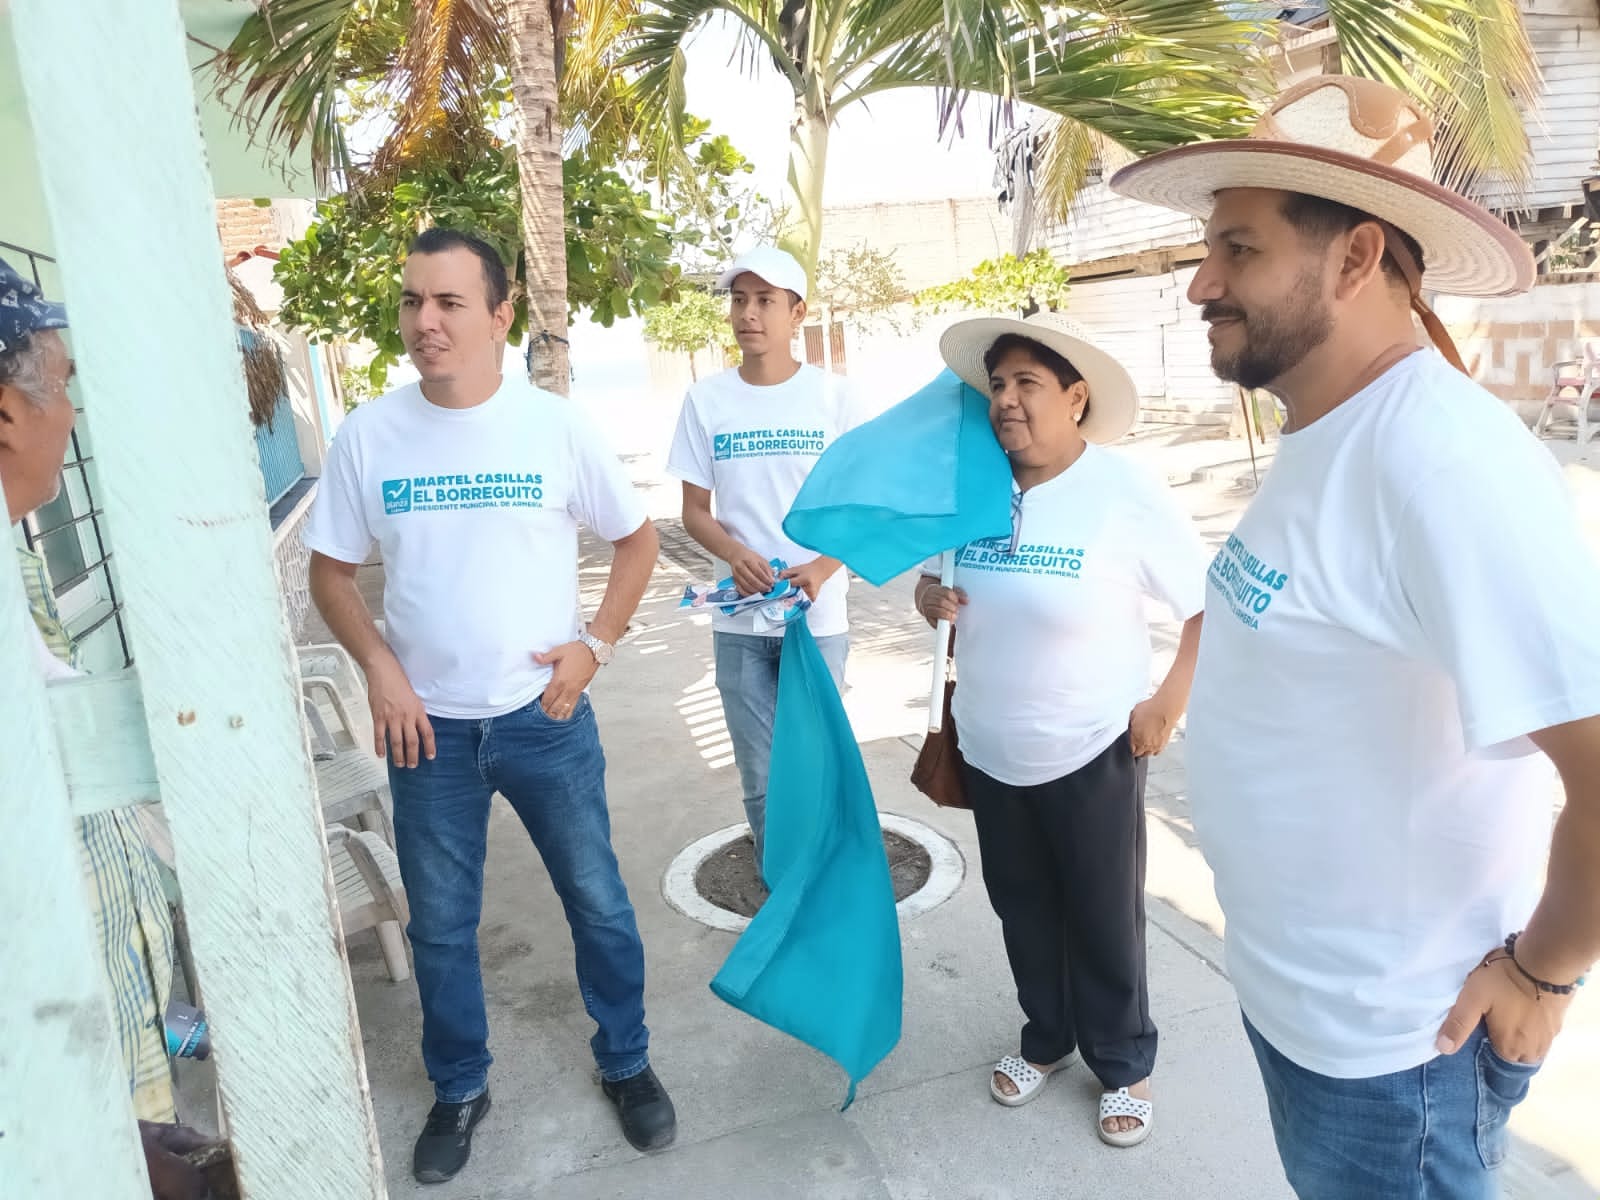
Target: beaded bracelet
(1541,986)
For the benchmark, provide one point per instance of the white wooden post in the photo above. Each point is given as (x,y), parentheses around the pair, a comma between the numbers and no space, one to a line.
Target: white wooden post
(112,107)
(66,1123)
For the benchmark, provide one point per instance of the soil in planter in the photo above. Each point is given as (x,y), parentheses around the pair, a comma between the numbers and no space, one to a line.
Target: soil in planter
(728,877)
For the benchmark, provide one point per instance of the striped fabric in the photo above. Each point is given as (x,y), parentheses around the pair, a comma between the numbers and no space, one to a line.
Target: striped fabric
(133,924)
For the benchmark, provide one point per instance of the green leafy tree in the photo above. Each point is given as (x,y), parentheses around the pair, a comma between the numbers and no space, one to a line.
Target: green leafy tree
(342,279)
(697,320)
(420,70)
(860,281)
(1007,284)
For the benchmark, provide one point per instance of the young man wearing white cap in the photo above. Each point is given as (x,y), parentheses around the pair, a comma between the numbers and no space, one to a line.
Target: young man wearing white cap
(1394,633)
(749,437)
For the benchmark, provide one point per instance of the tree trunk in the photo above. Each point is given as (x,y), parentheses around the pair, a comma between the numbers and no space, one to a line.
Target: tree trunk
(534,86)
(808,161)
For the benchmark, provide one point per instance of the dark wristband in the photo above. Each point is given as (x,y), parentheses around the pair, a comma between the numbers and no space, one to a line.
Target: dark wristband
(1541,986)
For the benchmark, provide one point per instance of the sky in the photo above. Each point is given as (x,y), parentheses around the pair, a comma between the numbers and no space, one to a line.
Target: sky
(883,149)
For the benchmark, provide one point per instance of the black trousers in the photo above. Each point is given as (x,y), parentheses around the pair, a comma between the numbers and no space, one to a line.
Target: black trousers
(1064,866)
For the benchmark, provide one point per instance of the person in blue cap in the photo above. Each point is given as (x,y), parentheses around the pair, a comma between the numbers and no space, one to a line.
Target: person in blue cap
(131,919)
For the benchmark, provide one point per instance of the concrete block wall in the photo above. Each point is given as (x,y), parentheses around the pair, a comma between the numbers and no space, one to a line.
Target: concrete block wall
(1511,344)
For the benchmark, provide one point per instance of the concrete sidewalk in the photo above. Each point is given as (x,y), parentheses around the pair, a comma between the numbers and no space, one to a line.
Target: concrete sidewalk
(758,1112)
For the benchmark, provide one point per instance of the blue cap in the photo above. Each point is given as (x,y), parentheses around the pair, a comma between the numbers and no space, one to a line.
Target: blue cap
(23,309)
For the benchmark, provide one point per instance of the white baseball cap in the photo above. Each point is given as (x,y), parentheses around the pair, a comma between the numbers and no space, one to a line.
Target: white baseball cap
(777,267)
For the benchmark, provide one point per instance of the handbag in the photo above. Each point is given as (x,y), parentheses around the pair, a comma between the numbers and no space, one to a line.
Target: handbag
(937,771)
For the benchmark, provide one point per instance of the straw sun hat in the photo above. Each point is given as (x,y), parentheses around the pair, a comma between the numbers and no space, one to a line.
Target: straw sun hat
(1360,143)
(1113,399)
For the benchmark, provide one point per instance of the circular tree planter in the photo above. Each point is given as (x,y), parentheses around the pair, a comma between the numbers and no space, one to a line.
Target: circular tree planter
(713,880)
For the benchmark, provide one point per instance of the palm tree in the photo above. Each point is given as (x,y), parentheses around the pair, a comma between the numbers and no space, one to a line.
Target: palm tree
(1468,62)
(536,37)
(435,60)
(1146,74)
(1140,74)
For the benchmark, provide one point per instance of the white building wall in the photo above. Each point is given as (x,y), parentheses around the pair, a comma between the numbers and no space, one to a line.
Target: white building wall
(1149,324)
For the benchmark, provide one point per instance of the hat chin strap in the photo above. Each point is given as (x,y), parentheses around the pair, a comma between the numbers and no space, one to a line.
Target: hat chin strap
(1395,246)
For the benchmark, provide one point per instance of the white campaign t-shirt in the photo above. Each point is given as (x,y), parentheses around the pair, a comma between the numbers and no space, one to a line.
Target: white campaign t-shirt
(1053,648)
(752,447)
(477,513)
(1405,599)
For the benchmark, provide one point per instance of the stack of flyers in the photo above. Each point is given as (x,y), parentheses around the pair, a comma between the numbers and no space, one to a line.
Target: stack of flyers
(725,596)
(774,608)
(775,614)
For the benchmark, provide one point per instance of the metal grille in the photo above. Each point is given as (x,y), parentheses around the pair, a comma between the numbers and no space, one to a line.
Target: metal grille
(68,531)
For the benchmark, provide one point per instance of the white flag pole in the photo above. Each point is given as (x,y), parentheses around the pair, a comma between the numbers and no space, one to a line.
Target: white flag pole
(941,648)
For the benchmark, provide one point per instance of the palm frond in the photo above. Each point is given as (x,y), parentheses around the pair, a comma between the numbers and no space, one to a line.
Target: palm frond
(450,51)
(655,48)
(285,62)
(1068,152)
(1147,74)
(1468,63)
(596,98)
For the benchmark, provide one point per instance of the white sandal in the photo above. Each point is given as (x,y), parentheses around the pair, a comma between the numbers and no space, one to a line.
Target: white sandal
(1121,1104)
(1025,1077)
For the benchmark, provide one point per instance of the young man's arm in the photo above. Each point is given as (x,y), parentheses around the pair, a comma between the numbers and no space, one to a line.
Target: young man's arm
(399,723)
(752,572)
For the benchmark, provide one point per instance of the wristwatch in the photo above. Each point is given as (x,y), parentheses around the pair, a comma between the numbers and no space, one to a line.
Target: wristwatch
(602,651)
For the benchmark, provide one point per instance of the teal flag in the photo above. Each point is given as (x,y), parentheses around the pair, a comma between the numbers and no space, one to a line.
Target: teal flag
(821,960)
(923,477)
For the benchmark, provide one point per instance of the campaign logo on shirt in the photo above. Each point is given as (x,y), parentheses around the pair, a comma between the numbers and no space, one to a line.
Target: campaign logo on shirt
(1034,558)
(1247,583)
(769,443)
(396,496)
(445,493)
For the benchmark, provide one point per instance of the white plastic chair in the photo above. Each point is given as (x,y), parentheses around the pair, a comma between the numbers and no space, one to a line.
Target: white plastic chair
(366,877)
(352,783)
(1579,375)
(328,673)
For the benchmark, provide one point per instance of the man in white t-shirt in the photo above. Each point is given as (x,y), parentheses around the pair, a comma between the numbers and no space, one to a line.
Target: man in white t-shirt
(746,440)
(473,486)
(1401,623)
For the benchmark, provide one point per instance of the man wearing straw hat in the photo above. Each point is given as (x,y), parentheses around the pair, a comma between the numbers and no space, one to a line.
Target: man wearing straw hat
(1397,645)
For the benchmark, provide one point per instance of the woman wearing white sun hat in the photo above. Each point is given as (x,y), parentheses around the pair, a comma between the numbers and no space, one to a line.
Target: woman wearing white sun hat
(1401,620)
(1053,710)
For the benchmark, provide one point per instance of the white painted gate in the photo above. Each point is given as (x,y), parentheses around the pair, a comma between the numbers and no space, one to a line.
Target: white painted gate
(208,720)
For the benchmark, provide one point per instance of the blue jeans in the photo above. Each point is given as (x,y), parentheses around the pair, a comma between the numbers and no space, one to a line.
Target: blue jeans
(747,678)
(553,774)
(1435,1132)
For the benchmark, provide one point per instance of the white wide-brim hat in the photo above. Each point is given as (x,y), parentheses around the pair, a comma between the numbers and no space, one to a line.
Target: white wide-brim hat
(1362,144)
(1113,398)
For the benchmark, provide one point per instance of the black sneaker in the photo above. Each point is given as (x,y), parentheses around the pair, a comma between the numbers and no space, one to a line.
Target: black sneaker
(446,1140)
(649,1121)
